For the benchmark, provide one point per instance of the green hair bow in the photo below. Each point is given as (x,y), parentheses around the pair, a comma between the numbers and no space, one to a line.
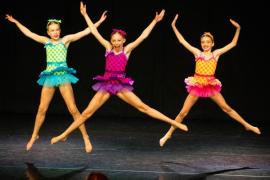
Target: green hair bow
(54,20)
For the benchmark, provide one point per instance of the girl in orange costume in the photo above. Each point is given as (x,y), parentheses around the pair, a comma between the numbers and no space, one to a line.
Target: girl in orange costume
(204,83)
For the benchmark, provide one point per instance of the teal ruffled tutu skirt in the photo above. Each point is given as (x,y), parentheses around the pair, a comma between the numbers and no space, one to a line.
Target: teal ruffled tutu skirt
(57,77)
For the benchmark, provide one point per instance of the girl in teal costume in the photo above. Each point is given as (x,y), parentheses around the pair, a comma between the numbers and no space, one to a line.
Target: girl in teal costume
(57,74)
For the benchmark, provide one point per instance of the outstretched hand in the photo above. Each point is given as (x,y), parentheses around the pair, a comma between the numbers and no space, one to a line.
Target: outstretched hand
(10,18)
(160,16)
(174,20)
(235,24)
(103,16)
(83,8)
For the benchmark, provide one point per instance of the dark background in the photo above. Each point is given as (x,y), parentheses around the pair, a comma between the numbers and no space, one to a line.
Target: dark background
(158,66)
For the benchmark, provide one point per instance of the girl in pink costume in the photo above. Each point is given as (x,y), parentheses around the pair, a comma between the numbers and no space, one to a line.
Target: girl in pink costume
(57,74)
(114,82)
(204,83)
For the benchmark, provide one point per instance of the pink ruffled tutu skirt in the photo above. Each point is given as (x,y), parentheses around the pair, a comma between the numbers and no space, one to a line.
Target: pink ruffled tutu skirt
(203,86)
(113,82)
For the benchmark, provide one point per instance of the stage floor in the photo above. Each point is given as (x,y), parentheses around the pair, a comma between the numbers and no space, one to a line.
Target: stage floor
(128,149)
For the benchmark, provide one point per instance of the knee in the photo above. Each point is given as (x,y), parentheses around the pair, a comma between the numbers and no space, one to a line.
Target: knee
(42,110)
(73,110)
(226,109)
(87,114)
(182,114)
(143,108)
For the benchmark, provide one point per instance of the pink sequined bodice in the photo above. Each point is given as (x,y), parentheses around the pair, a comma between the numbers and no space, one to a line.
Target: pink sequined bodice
(115,63)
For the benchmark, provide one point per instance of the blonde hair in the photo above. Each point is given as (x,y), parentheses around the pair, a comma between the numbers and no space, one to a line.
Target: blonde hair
(208,34)
(53,21)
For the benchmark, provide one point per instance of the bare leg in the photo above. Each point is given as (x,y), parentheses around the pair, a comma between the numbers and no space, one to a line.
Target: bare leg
(133,100)
(189,102)
(97,101)
(45,99)
(67,93)
(218,98)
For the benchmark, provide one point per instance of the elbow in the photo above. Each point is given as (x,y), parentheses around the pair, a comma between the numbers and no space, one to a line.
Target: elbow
(233,44)
(28,35)
(87,31)
(144,36)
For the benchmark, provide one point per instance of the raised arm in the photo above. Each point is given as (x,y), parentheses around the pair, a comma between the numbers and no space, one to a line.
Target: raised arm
(93,29)
(145,33)
(182,40)
(26,31)
(74,37)
(233,43)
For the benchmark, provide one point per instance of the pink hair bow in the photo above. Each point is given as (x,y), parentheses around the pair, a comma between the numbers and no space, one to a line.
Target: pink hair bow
(120,31)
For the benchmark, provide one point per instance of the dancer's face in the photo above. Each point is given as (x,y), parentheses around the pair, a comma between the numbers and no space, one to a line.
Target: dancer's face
(117,40)
(54,31)
(206,43)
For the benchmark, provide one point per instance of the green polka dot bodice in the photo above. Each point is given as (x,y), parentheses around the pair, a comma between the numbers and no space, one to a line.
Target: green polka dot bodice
(56,56)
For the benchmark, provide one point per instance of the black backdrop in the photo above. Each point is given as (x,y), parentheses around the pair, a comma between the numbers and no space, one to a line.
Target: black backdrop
(158,66)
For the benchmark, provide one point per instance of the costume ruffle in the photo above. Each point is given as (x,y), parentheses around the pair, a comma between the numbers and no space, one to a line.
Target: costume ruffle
(113,84)
(203,86)
(57,77)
